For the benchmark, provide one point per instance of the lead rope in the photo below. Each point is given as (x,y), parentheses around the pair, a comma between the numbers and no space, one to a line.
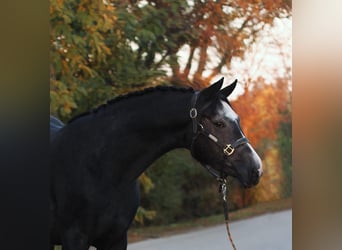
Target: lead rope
(223,191)
(227,149)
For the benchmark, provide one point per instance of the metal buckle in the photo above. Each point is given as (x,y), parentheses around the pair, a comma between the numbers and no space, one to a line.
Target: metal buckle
(228,150)
(193,113)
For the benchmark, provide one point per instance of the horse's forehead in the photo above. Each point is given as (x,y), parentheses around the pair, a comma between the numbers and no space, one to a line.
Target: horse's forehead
(226,111)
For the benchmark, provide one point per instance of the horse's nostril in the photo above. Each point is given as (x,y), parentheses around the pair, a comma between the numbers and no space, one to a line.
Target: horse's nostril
(255,173)
(255,177)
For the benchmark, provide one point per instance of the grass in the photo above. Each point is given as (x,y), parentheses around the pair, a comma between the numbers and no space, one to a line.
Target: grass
(142,233)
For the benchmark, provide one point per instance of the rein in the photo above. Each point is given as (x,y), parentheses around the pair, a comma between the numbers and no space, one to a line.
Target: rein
(228,150)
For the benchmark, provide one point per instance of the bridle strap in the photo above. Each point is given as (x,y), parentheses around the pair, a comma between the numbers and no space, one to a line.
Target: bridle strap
(193,112)
(228,150)
(197,128)
(239,142)
(216,174)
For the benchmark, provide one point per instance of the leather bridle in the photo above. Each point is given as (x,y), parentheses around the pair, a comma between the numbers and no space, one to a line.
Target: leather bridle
(198,128)
(228,150)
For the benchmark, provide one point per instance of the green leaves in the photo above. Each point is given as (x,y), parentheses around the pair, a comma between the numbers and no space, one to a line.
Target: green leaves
(78,32)
(61,99)
(128,45)
(92,45)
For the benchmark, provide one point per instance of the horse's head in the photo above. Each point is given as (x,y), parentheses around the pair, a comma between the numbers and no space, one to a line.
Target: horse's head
(218,140)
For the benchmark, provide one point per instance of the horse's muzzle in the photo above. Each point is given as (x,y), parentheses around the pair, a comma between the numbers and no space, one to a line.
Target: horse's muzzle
(255,176)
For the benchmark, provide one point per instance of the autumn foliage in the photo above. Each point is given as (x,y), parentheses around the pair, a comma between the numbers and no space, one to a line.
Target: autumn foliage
(99,49)
(260,109)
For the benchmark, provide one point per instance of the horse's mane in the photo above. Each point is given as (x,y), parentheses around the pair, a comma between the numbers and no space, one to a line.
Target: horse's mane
(129,96)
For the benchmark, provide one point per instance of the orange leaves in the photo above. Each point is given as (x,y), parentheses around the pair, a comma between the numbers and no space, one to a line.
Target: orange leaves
(227,28)
(260,111)
(271,186)
(272,182)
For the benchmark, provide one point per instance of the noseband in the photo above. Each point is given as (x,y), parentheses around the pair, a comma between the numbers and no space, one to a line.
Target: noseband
(198,128)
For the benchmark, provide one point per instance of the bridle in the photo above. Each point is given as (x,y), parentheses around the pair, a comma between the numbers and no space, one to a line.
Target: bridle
(198,128)
(228,150)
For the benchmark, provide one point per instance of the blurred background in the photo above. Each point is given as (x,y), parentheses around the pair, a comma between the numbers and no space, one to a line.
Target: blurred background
(102,49)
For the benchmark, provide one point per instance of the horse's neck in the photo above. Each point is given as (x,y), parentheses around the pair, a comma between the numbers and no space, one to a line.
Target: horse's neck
(155,125)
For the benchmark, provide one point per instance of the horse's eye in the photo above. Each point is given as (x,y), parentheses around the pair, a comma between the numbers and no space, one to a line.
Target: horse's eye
(219,124)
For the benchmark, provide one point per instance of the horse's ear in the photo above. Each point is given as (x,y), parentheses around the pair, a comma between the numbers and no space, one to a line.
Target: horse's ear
(209,94)
(229,89)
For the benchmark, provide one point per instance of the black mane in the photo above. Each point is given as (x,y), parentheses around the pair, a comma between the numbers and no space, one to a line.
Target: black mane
(130,95)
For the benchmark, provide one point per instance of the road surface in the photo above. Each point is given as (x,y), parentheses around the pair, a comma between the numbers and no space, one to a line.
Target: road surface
(271,231)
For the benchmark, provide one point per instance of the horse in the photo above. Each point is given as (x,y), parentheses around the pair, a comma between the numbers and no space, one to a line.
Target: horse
(96,158)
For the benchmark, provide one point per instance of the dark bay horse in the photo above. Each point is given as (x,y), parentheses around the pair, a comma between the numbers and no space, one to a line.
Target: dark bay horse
(97,157)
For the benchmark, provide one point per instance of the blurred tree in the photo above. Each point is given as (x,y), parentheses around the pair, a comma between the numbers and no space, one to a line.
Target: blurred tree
(284,143)
(78,29)
(265,112)
(93,55)
(103,48)
(183,189)
(201,30)
(217,32)
(260,109)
